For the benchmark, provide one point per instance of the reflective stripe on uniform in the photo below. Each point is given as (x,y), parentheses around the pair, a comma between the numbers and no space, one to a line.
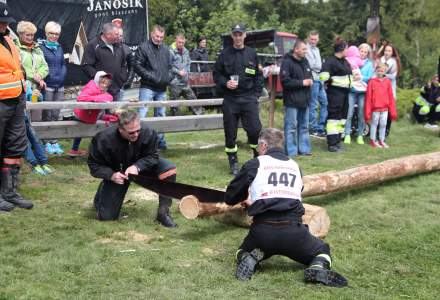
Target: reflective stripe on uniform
(342,81)
(332,127)
(424,110)
(231,150)
(341,125)
(324,76)
(326,257)
(421,101)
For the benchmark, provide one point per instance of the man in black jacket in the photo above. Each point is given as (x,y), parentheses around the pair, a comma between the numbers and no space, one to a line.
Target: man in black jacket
(236,74)
(296,78)
(129,56)
(200,54)
(153,64)
(273,184)
(105,53)
(118,151)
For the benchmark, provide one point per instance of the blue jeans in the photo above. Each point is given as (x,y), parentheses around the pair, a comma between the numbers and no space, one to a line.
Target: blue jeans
(146,95)
(76,143)
(296,131)
(35,152)
(353,99)
(317,123)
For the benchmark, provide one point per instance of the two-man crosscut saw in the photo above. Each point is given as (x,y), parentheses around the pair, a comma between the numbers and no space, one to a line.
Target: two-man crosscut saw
(178,190)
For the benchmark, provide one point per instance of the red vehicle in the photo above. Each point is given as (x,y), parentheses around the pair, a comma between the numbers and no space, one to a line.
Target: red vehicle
(271,45)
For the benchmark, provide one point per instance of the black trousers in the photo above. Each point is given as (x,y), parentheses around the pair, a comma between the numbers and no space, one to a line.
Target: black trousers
(293,241)
(110,196)
(337,110)
(13,140)
(246,110)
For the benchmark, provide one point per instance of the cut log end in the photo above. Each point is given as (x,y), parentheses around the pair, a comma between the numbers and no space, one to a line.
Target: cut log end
(189,207)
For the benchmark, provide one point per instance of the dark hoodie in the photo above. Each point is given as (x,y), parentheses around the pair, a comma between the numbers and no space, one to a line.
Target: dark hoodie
(293,72)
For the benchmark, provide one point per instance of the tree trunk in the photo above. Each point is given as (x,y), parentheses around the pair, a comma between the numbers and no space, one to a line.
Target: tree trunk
(315,217)
(335,181)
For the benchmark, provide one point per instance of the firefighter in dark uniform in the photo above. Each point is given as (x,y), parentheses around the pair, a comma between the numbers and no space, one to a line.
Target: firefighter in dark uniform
(237,75)
(13,141)
(336,72)
(274,183)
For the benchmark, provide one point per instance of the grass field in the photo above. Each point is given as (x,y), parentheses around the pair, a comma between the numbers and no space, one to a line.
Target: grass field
(384,238)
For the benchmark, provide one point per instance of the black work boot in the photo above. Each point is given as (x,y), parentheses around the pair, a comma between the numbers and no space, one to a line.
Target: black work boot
(163,212)
(319,271)
(5,206)
(247,263)
(9,185)
(233,163)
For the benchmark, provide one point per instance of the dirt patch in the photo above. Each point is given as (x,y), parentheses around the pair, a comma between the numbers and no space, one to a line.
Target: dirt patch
(198,145)
(140,194)
(209,251)
(124,237)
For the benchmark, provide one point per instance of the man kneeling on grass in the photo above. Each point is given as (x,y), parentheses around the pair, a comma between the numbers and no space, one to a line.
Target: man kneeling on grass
(274,183)
(118,151)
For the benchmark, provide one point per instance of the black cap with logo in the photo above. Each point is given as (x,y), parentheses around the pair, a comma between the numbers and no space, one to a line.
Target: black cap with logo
(238,28)
(5,13)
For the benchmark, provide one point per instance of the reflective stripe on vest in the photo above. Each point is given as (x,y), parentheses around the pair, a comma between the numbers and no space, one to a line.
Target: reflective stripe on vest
(342,81)
(11,76)
(276,179)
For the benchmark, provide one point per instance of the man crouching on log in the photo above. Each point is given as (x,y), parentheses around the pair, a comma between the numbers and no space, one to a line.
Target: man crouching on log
(118,151)
(274,183)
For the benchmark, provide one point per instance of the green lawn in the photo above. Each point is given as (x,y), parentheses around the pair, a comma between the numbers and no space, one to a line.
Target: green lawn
(384,238)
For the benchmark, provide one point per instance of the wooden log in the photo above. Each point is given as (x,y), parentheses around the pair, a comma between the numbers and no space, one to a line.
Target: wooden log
(315,217)
(323,183)
(335,181)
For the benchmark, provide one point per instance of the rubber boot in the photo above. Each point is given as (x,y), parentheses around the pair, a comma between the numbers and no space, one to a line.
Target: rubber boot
(163,212)
(9,184)
(247,263)
(233,163)
(319,271)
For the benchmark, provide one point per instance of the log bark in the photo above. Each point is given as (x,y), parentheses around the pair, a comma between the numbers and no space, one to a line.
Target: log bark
(335,181)
(315,217)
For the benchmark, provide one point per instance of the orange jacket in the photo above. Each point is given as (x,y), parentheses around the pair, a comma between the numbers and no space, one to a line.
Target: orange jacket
(11,75)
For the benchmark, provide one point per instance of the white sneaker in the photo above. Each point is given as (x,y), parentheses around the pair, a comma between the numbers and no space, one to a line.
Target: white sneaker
(430,126)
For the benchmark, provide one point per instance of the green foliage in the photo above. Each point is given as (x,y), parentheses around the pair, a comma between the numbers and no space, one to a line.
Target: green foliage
(410,25)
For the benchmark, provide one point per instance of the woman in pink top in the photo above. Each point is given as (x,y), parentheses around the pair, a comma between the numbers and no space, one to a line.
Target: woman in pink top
(94,91)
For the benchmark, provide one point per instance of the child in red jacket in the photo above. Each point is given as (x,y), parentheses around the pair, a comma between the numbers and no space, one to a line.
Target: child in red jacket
(379,102)
(94,91)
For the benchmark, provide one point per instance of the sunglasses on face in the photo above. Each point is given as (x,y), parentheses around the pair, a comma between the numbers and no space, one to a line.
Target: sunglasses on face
(132,132)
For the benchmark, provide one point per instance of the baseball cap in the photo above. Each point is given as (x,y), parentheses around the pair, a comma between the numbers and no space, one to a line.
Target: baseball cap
(5,13)
(238,28)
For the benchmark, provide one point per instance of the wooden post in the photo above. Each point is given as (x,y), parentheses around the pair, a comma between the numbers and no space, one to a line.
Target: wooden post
(273,94)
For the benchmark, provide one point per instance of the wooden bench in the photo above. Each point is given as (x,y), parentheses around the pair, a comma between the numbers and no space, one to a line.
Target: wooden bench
(72,129)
